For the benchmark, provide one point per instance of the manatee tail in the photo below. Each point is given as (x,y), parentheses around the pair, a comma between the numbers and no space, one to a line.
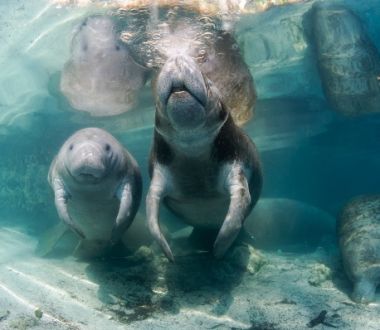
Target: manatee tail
(49,239)
(364,291)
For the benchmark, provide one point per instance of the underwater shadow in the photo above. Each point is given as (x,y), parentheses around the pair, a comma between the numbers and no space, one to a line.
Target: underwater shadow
(197,278)
(146,284)
(125,287)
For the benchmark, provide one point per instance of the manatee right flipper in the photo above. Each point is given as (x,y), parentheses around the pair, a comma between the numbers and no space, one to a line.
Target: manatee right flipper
(49,239)
(61,196)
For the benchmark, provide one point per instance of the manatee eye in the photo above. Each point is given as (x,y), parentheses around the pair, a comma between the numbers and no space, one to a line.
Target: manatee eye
(71,146)
(107,147)
(117,47)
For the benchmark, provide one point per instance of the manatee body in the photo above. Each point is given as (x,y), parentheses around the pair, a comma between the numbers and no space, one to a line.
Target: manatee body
(348,61)
(101,77)
(97,187)
(203,167)
(288,225)
(359,241)
(204,38)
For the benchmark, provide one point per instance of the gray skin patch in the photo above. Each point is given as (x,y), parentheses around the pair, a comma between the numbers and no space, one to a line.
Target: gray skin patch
(209,174)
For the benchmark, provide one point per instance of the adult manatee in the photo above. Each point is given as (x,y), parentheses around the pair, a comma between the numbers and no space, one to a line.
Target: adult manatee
(203,167)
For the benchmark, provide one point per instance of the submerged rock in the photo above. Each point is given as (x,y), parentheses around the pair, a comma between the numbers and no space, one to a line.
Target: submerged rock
(246,258)
(359,241)
(319,274)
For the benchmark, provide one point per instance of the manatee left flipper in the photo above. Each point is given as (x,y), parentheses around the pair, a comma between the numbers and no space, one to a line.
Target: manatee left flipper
(126,211)
(49,239)
(240,205)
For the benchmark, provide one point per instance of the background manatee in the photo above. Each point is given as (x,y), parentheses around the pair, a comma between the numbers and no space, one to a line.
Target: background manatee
(348,61)
(359,242)
(289,225)
(101,77)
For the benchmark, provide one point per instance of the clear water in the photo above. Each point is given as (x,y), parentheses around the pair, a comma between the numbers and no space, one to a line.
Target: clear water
(311,152)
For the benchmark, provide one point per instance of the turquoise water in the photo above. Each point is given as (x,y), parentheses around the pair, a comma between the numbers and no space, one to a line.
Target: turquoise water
(311,151)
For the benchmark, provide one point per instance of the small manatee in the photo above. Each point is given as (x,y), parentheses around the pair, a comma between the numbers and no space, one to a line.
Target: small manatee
(97,187)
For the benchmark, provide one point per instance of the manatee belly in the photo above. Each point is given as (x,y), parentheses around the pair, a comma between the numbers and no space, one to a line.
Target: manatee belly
(95,217)
(200,212)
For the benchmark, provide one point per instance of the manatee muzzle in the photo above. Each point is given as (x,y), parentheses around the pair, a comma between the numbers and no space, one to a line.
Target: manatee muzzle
(182,92)
(88,165)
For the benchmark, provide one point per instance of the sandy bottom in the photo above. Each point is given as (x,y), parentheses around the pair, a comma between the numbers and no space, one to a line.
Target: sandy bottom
(254,291)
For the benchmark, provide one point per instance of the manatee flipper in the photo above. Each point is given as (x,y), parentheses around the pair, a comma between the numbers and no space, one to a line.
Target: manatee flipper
(157,191)
(125,214)
(364,291)
(49,239)
(61,197)
(240,205)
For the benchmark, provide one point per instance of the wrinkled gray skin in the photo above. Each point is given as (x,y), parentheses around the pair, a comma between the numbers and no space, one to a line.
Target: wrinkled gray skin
(348,61)
(359,242)
(101,77)
(182,31)
(203,167)
(97,188)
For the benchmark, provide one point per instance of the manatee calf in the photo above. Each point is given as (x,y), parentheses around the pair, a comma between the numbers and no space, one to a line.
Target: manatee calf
(359,241)
(348,61)
(203,167)
(101,77)
(97,188)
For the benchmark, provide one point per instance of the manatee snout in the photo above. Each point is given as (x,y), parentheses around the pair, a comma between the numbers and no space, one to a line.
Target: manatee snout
(88,162)
(182,92)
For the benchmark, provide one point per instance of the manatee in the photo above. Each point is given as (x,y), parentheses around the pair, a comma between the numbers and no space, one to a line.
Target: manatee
(101,77)
(97,188)
(358,231)
(348,61)
(288,225)
(203,167)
